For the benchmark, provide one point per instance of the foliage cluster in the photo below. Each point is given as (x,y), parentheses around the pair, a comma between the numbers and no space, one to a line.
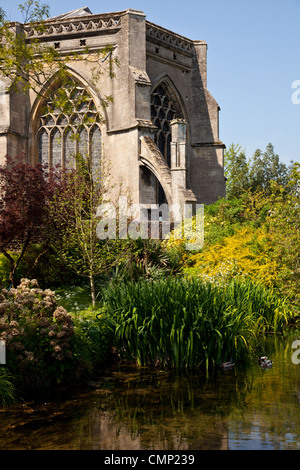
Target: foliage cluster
(93,341)
(39,262)
(254,236)
(284,225)
(189,323)
(244,173)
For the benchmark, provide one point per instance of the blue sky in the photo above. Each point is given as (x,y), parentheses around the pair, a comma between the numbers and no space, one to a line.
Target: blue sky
(253,59)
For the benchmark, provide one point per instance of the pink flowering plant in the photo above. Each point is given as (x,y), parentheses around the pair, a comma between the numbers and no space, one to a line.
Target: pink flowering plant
(38,334)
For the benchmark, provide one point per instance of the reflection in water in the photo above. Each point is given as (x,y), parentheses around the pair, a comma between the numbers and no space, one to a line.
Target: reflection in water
(244,408)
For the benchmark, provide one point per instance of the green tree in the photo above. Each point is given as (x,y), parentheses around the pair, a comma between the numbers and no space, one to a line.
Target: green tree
(254,174)
(33,11)
(27,62)
(74,221)
(236,171)
(284,227)
(2,15)
(266,167)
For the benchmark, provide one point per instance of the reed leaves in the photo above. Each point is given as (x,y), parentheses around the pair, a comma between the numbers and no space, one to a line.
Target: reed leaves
(187,323)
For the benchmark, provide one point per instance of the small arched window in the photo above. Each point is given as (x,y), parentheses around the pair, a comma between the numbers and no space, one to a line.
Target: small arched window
(71,130)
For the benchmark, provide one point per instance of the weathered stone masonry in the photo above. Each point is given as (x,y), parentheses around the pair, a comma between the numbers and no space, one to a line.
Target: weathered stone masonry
(161,130)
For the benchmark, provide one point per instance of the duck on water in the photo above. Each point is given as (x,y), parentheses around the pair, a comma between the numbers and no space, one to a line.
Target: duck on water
(264,362)
(227,365)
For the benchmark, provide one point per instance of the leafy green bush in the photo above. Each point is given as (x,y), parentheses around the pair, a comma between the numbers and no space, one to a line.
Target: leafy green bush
(41,264)
(4,270)
(93,339)
(44,265)
(141,258)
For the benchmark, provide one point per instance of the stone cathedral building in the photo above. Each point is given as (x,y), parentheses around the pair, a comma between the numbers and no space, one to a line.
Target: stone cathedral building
(160,132)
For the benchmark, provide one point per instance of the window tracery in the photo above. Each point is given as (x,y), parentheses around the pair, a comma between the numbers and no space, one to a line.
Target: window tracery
(70,131)
(163,110)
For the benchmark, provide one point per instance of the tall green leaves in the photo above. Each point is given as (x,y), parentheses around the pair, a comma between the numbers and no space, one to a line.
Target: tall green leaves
(7,388)
(181,323)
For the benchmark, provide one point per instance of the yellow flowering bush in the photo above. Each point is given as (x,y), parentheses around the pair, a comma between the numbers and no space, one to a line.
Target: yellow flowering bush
(247,253)
(185,238)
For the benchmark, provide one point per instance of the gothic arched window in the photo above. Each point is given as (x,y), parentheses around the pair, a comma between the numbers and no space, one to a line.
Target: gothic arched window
(72,130)
(163,110)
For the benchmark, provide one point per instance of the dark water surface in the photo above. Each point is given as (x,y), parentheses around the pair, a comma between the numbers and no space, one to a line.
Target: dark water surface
(128,409)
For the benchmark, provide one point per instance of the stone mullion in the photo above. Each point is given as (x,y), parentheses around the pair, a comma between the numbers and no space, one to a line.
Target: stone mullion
(63,156)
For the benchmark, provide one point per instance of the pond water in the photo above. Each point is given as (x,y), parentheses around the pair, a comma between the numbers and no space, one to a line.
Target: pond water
(128,409)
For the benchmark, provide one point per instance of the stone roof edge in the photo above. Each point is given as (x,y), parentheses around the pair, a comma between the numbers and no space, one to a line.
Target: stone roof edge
(178,36)
(92,17)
